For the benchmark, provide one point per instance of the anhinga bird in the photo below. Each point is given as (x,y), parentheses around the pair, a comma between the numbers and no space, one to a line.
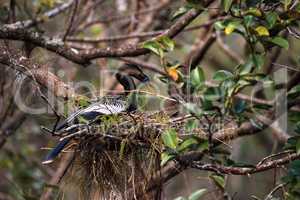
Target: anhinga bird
(105,106)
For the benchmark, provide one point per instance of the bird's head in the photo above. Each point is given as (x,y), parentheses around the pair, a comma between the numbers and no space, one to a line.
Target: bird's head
(132,70)
(125,77)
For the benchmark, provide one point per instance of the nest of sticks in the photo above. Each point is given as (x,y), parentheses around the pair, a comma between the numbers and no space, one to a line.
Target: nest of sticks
(117,157)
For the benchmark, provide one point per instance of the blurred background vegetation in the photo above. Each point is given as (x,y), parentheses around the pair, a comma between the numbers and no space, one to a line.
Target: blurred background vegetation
(22,174)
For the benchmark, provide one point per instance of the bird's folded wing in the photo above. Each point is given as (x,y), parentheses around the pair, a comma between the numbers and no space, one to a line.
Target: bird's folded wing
(105,109)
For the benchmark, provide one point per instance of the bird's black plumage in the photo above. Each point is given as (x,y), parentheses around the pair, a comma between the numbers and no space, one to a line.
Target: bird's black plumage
(105,106)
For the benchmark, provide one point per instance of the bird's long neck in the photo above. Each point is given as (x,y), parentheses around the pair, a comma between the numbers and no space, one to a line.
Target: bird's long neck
(130,87)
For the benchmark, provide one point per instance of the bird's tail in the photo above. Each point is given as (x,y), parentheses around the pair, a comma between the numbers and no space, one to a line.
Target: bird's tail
(54,152)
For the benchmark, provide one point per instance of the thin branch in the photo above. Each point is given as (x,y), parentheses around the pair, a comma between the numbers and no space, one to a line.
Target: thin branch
(71,20)
(295,79)
(109,19)
(269,196)
(246,170)
(230,52)
(84,56)
(10,126)
(205,40)
(139,35)
(47,15)
(202,50)
(41,76)
(274,56)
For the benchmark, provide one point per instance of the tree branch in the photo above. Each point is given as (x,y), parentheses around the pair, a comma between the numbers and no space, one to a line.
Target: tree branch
(245,170)
(41,76)
(49,14)
(84,56)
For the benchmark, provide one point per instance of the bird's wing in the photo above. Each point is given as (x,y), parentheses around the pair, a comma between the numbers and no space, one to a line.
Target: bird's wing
(69,120)
(105,108)
(94,110)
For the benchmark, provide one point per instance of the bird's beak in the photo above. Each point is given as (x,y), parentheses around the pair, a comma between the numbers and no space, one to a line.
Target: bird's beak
(141,77)
(146,79)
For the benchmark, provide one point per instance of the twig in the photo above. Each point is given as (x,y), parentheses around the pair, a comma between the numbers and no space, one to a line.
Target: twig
(245,170)
(49,14)
(43,77)
(138,35)
(84,56)
(269,196)
(285,66)
(122,17)
(272,156)
(230,52)
(71,20)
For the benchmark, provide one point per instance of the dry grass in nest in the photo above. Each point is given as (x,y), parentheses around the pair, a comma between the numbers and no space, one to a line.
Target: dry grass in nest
(116,158)
(113,159)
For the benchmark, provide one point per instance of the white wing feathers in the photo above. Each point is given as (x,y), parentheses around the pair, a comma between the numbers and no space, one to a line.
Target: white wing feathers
(97,109)
(105,109)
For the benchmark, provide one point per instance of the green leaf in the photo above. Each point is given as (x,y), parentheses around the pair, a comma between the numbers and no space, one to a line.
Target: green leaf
(244,68)
(193,108)
(256,60)
(204,145)
(83,101)
(163,79)
(222,75)
(298,146)
(212,94)
(170,138)
(294,92)
(294,169)
(254,11)
(286,4)
(191,125)
(47,3)
(166,157)
(160,45)
(167,42)
(187,143)
(271,19)
(240,106)
(154,46)
(226,4)
(181,11)
(262,31)
(96,30)
(280,42)
(197,194)
(219,25)
(231,27)
(297,128)
(218,180)
(249,20)
(197,77)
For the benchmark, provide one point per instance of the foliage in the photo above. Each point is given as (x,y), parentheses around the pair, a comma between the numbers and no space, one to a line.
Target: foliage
(222,89)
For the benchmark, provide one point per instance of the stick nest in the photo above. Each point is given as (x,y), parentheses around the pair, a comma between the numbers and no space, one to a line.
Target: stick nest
(115,158)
